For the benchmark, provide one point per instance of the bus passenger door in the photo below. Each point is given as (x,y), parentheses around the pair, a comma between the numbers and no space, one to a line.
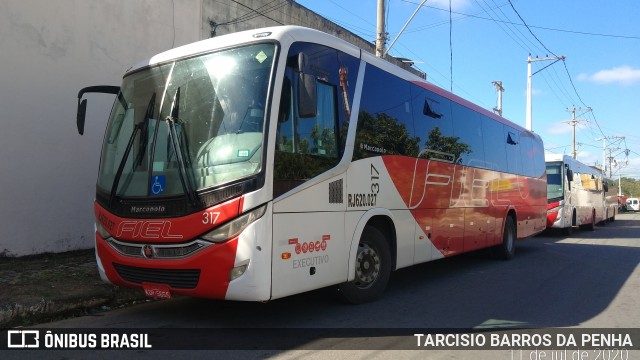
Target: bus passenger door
(309,191)
(309,250)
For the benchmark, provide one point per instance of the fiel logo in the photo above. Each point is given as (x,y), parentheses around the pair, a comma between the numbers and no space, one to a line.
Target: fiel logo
(22,339)
(146,229)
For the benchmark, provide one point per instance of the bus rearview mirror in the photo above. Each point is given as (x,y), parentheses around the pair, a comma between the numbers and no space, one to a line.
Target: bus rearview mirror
(307,96)
(80,116)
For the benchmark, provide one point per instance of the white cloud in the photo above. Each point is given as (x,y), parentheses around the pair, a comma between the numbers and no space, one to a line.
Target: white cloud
(625,75)
(588,158)
(444,4)
(559,129)
(629,170)
(534,91)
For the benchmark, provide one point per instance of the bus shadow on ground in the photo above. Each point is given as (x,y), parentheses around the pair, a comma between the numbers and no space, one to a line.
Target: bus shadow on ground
(549,283)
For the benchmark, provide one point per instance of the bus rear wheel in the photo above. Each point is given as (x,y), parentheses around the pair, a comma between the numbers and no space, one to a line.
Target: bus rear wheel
(591,226)
(373,268)
(507,249)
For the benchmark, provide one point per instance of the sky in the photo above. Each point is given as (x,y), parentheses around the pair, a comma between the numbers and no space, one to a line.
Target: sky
(486,41)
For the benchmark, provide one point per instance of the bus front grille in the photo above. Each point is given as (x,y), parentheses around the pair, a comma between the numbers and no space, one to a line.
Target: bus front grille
(178,279)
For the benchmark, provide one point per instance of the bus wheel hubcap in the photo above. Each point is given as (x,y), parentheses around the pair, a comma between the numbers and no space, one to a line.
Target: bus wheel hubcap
(367,266)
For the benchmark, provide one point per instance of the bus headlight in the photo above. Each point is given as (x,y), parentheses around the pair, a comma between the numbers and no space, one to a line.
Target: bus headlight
(234,227)
(237,271)
(102,231)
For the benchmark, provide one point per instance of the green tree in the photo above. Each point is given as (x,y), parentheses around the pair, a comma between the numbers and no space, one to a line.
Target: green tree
(385,134)
(630,187)
(446,148)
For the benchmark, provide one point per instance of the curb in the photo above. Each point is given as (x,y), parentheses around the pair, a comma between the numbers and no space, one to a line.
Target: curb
(48,287)
(47,310)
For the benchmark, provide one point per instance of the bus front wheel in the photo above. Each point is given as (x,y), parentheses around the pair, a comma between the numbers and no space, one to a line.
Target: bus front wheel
(373,268)
(569,229)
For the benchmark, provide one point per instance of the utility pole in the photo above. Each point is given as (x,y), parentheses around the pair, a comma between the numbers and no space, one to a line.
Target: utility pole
(610,158)
(604,152)
(529,75)
(619,183)
(384,53)
(500,89)
(604,156)
(620,165)
(381,34)
(573,122)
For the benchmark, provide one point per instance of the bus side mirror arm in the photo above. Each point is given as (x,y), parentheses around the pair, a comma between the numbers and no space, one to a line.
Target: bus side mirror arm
(82,103)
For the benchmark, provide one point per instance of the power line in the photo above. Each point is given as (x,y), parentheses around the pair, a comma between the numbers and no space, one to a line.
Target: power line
(258,12)
(587,33)
(351,12)
(520,40)
(530,31)
(252,14)
(563,62)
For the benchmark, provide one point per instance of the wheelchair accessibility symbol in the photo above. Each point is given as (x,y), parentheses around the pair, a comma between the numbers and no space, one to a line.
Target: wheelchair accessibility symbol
(158,185)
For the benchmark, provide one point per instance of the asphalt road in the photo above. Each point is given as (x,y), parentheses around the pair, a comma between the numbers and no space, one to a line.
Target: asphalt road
(587,280)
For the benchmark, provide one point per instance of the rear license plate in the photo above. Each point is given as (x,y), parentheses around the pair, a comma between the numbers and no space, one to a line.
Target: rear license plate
(156,291)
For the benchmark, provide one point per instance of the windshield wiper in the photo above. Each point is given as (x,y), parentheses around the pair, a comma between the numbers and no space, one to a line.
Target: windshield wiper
(144,140)
(123,161)
(143,128)
(182,170)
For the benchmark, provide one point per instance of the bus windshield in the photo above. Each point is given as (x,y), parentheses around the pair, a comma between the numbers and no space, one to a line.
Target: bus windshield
(554,181)
(188,125)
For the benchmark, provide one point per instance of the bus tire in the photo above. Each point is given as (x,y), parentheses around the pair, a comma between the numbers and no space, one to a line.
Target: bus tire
(591,226)
(373,268)
(507,250)
(569,229)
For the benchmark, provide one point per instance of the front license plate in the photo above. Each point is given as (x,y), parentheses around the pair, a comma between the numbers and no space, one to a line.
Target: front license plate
(156,291)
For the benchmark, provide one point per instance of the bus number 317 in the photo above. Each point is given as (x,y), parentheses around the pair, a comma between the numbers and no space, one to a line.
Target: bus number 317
(210,217)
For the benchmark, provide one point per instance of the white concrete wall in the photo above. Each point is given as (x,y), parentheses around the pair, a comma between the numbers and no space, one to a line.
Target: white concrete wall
(49,49)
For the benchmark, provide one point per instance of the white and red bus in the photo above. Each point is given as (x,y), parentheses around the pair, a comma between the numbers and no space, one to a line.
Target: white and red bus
(576,195)
(270,162)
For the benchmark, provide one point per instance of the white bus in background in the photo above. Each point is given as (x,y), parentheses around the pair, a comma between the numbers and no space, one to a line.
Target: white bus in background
(575,195)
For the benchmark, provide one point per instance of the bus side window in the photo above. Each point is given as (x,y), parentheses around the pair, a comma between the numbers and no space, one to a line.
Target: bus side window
(527,156)
(494,146)
(433,126)
(385,121)
(308,143)
(318,134)
(284,137)
(467,127)
(512,138)
(315,135)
